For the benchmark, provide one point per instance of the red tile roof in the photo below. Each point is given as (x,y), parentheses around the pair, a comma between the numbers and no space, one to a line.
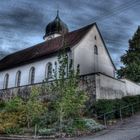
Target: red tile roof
(43,49)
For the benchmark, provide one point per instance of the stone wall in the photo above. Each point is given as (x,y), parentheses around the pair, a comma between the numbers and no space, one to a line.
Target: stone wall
(86,83)
(97,86)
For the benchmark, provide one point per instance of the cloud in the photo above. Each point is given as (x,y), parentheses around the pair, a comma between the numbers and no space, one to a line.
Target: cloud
(23,22)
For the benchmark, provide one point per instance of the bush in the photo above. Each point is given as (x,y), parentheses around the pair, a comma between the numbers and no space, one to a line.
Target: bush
(81,124)
(13,130)
(2,105)
(10,120)
(17,113)
(92,125)
(13,105)
(46,131)
(104,106)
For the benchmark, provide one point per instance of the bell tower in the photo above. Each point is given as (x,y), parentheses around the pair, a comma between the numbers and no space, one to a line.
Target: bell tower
(55,28)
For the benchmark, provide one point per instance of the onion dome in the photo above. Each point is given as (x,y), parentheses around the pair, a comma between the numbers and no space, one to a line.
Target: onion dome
(57,26)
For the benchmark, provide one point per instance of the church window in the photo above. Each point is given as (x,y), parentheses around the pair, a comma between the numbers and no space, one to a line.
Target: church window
(6,81)
(95,37)
(55,63)
(18,78)
(32,75)
(95,50)
(55,70)
(49,70)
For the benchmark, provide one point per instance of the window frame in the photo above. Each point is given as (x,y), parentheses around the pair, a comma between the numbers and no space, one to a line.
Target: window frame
(32,75)
(49,73)
(18,78)
(6,81)
(95,49)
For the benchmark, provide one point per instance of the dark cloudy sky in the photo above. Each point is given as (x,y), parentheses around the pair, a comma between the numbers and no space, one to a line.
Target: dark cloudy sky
(22,22)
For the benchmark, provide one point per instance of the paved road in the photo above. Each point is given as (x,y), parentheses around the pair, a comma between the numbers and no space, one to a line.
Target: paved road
(128,130)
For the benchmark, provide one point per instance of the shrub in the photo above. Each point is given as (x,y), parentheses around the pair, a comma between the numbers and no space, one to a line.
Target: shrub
(47,119)
(104,106)
(92,125)
(72,127)
(13,130)
(79,124)
(2,104)
(9,120)
(33,107)
(13,105)
(46,131)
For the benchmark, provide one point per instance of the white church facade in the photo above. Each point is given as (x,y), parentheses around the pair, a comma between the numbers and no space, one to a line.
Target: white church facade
(84,46)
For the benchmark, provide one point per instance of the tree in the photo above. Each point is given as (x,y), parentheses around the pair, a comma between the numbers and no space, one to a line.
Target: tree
(69,100)
(33,107)
(131,59)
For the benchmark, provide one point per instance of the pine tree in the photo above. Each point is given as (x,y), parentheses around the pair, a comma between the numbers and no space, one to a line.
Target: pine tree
(131,59)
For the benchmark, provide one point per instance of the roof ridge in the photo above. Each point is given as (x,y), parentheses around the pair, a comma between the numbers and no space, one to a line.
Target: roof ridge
(82,28)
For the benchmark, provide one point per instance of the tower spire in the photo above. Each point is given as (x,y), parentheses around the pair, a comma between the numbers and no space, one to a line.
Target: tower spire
(55,28)
(57,9)
(57,12)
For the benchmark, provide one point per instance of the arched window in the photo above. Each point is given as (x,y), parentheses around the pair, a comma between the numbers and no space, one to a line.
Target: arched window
(32,75)
(6,81)
(95,50)
(18,78)
(55,63)
(95,37)
(55,69)
(49,70)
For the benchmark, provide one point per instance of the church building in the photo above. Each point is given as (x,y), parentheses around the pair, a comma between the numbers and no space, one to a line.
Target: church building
(32,65)
(85,46)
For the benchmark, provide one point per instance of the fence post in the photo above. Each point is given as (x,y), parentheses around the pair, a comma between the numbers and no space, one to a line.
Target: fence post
(35,130)
(121,114)
(105,123)
(132,110)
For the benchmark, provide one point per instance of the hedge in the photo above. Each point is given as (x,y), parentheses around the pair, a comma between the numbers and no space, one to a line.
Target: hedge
(98,108)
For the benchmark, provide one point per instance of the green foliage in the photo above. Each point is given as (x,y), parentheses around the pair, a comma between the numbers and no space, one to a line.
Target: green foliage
(10,120)
(14,130)
(33,107)
(104,106)
(74,126)
(92,125)
(79,124)
(131,60)
(2,105)
(13,105)
(47,120)
(46,131)
(17,113)
(68,100)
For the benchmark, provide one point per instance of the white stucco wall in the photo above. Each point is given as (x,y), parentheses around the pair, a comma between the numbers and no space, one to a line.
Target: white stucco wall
(109,88)
(40,67)
(131,87)
(83,54)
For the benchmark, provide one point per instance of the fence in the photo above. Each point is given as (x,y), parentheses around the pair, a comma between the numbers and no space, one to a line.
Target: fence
(121,113)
